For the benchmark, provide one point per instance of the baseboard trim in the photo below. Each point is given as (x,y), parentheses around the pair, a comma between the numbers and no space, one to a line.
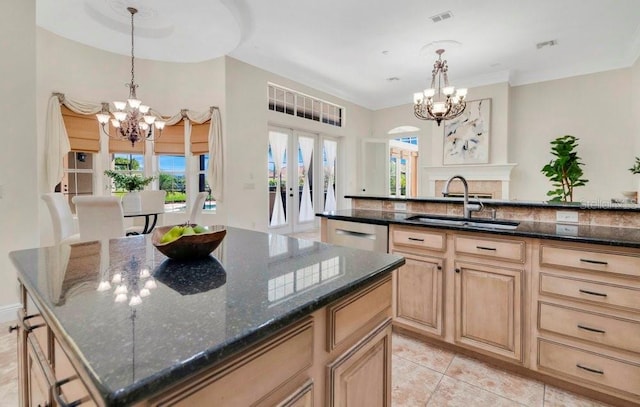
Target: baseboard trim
(8,313)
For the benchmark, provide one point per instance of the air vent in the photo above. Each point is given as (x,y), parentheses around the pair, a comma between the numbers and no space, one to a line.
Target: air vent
(442,16)
(550,43)
(393,79)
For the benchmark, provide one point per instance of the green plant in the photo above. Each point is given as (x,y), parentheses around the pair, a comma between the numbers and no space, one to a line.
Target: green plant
(636,167)
(564,171)
(129,182)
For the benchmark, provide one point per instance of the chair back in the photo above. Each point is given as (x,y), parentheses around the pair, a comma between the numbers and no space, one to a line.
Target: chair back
(153,200)
(61,216)
(196,208)
(99,217)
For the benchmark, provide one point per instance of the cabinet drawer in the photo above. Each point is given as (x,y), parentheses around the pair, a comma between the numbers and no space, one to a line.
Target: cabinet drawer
(359,313)
(597,328)
(589,367)
(357,235)
(590,260)
(590,291)
(511,250)
(71,387)
(420,238)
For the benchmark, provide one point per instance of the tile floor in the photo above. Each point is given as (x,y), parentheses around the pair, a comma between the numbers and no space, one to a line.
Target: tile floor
(423,375)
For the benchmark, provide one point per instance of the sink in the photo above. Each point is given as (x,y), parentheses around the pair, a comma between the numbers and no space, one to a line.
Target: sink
(465,222)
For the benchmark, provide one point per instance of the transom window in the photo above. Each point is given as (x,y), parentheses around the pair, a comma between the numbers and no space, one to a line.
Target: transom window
(307,107)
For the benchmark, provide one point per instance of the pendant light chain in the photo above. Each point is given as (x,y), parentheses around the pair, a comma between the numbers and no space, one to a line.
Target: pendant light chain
(133,85)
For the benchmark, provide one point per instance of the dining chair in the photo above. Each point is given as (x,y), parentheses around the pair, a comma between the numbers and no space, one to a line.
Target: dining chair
(64,229)
(99,217)
(196,208)
(152,201)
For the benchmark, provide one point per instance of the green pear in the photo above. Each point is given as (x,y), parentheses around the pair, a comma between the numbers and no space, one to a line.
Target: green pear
(199,229)
(173,233)
(188,231)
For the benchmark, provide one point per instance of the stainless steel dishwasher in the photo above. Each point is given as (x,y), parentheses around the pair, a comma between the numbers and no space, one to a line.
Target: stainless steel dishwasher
(357,235)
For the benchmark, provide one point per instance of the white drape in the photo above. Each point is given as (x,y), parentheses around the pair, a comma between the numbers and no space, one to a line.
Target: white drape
(216,156)
(306,205)
(330,148)
(278,142)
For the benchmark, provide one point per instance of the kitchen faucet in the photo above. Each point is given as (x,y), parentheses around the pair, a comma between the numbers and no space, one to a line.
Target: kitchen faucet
(468,207)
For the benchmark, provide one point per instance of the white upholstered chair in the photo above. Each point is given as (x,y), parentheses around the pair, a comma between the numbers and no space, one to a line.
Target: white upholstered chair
(64,230)
(196,208)
(99,217)
(152,201)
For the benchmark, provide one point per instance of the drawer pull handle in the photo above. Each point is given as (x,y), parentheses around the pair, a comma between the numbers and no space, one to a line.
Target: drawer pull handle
(415,239)
(586,328)
(588,369)
(60,398)
(493,249)
(603,263)
(592,293)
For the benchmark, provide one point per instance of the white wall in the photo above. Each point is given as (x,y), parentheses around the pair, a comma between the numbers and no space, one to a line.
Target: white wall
(247,129)
(18,176)
(596,108)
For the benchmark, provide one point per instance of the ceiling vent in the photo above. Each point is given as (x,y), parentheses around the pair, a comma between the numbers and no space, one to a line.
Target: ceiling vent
(550,43)
(441,17)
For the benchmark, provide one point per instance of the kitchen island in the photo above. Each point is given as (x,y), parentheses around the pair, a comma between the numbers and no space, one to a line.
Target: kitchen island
(266,320)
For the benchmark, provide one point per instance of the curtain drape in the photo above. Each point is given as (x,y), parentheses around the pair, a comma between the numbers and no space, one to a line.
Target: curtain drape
(330,149)
(278,142)
(216,156)
(306,204)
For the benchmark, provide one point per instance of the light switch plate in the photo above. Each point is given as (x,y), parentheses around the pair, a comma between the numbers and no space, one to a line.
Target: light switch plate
(400,206)
(567,216)
(567,230)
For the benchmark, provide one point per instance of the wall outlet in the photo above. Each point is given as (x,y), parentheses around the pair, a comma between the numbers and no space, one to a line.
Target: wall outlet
(400,206)
(567,216)
(567,230)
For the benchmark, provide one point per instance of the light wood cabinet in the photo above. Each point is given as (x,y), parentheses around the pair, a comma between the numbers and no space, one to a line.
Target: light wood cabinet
(587,316)
(419,293)
(488,309)
(362,376)
(38,388)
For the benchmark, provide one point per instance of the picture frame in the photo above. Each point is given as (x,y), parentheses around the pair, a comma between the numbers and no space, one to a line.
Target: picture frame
(467,137)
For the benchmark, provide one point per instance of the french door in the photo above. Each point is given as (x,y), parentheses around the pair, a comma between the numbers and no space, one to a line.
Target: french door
(301,179)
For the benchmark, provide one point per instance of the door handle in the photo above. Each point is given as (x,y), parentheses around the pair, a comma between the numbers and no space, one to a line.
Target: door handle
(291,195)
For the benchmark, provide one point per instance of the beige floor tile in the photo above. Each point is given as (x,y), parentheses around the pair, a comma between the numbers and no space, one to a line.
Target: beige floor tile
(517,388)
(554,397)
(411,384)
(426,355)
(8,367)
(455,393)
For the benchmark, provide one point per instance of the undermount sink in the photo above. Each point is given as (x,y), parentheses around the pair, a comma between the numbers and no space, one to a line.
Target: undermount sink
(465,222)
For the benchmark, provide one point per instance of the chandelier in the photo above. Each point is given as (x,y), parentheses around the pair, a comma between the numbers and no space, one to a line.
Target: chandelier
(131,118)
(438,102)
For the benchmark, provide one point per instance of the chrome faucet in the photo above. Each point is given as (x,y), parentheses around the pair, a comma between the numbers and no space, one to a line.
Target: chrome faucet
(468,207)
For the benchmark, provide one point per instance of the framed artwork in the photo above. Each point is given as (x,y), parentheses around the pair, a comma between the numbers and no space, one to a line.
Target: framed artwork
(466,138)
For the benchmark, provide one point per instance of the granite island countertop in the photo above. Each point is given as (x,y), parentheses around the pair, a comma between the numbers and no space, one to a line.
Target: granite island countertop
(608,235)
(195,314)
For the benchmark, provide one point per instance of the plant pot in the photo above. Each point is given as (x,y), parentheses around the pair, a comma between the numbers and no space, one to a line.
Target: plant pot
(131,202)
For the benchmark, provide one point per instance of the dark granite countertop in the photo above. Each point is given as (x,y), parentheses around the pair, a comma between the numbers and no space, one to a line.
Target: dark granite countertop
(613,236)
(587,205)
(195,314)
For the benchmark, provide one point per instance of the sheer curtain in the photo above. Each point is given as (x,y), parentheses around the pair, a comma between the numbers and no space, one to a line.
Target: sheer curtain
(306,204)
(330,148)
(278,142)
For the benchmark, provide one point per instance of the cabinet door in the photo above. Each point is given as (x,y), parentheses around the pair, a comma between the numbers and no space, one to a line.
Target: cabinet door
(488,309)
(419,287)
(362,375)
(37,385)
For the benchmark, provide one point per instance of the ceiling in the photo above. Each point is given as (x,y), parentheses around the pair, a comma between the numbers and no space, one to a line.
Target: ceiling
(351,48)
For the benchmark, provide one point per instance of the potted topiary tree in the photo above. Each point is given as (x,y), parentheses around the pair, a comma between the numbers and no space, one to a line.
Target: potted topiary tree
(636,170)
(564,171)
(132,184)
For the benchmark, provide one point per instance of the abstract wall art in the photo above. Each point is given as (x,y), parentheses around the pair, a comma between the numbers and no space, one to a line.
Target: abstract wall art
(466,138)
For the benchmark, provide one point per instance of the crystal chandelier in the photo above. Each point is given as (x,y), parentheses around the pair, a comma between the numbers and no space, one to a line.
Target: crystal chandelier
(131,118)
(438,102)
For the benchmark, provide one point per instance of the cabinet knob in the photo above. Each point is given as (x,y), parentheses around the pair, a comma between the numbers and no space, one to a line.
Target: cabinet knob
(457,270)
(13,328)
(439,267)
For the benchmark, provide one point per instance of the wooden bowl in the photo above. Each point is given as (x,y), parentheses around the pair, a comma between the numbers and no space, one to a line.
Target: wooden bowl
(189,247)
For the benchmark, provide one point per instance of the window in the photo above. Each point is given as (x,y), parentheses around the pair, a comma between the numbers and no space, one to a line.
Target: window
(307,107)
(203,182)
(403,166)
(172,180)
(78,175)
